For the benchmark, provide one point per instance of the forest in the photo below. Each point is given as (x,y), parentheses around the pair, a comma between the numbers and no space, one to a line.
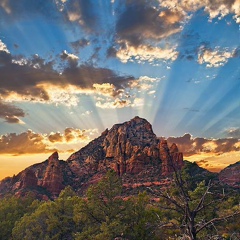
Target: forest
(188,209)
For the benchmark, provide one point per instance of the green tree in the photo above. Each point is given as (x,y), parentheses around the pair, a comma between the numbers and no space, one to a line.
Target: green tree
(11,210)
(101,213)
(51,220)
(141,218)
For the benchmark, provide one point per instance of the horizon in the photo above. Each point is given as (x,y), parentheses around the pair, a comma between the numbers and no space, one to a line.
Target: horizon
(69,69)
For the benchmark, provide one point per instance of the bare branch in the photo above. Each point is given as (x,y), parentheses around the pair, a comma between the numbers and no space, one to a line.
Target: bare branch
(200,204)
(217,220)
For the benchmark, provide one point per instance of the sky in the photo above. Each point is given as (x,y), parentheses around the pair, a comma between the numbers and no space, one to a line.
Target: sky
(69,69)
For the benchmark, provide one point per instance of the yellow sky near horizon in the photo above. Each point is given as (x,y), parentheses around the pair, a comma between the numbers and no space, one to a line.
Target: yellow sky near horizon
(10,165)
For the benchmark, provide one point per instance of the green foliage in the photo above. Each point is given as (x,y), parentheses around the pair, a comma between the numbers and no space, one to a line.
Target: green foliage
(141,218)
(11,210)
(51,220)
(102,212)
(184,211)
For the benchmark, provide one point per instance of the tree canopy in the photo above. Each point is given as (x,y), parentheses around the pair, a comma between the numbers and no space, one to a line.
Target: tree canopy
(184,210)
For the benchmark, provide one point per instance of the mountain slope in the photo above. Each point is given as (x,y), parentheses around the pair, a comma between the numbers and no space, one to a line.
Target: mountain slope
(131,149)
(231,175)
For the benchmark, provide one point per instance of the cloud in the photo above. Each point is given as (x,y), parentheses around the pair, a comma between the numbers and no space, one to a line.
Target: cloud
(86,113)
(79,44)
(139,29)
(130,96)
(30,142)
(112,104)
(3,47)
(55,137)
(70,134)
(214,58)
(36,80)
(233,132)
(214,8)
(11,113)
(85,76)
(68,56)
(213,154)
(106,89)
(83,12)
(189,145)
(144,83)
(146,53)
(23,143)
(23,79)
(141,21)
(111,52)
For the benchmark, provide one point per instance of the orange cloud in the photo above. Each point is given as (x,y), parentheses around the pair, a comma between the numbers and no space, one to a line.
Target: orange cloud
(30,142)
(213,154)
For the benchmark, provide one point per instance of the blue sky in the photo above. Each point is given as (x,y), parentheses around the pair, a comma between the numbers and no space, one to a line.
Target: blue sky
(69,69)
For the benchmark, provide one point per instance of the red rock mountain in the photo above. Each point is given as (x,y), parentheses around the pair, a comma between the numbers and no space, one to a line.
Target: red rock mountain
(131,149)
(127,148)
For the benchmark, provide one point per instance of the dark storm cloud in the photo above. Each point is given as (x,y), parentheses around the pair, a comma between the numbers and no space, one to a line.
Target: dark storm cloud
(5,58)
(24,78)
(10,113)
(140,21)
(85,76)
(190,146)
(27,78)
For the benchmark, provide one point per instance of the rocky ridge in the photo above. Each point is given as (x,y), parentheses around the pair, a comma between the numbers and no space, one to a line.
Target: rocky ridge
(45,180)
(131,149)
(126,148)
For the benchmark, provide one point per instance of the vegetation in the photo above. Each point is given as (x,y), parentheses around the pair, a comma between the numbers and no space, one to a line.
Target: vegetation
(186,210)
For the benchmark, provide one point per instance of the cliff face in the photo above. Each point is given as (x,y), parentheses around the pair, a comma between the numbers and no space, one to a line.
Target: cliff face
(231,175)
(126,148)
(130,148)
(53,176)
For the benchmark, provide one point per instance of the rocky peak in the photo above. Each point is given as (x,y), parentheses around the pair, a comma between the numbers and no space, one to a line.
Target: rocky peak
(171,158)
(128,147)
(54,157)
(137,131)
(173,148)
(53,177)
